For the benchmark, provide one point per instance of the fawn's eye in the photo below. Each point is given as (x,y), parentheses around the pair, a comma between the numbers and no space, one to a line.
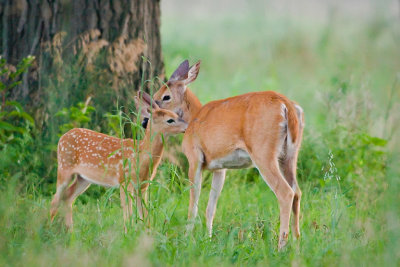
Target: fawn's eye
(166,98)
(170,121)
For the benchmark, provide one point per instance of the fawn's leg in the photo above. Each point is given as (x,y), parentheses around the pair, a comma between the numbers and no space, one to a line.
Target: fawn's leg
(126,192)
(63,179)
(77,188)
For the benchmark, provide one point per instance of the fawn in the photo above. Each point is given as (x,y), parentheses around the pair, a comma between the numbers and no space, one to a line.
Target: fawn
(96,158)
(261,129)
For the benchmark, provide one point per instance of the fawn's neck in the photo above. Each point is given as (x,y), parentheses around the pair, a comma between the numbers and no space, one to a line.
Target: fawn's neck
(193,104)
(152,144)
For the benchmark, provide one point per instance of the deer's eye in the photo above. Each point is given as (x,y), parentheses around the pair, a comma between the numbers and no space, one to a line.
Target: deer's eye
(166,98)
(170,121)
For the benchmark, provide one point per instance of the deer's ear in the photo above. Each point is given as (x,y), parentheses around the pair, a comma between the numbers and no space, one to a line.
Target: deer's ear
(181,73)
(193,72)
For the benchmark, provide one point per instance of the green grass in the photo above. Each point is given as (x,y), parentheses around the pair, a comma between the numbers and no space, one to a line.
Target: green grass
(343,73)
(334,230)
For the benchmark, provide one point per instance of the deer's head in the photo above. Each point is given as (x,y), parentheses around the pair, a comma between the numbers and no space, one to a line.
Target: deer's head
(171,95)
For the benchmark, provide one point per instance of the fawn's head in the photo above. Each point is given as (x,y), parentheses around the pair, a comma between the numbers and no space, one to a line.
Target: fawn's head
(171,95)
(157,119)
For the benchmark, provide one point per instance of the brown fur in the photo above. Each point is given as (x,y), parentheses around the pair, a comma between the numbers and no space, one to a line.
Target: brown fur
(101,159)
(259,124)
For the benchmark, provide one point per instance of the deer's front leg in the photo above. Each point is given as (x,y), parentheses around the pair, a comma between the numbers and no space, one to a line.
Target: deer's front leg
(216,188)
(195,177)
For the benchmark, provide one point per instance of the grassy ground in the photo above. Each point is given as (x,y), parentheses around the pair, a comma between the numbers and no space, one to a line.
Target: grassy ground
(344,73)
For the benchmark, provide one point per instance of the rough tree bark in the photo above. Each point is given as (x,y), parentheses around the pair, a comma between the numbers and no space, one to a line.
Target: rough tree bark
(28,24)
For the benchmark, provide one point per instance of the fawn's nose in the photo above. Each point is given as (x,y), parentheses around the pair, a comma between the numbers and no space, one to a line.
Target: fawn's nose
(145,122)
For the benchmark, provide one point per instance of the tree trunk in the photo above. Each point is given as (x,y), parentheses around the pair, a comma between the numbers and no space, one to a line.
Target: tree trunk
(66,33)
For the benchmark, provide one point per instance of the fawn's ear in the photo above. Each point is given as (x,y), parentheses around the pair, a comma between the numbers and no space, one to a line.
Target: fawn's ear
(143,107)
(145,97)
(192,73)
(181,73)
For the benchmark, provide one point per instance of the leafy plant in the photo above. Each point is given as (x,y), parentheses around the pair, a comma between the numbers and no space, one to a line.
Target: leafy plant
(14,121)
(76,116)
(10,75)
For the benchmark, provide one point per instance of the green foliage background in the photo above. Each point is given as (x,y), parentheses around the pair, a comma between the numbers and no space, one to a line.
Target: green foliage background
(344,72)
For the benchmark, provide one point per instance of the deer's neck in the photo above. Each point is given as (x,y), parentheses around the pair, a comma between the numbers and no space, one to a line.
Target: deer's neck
(193,104)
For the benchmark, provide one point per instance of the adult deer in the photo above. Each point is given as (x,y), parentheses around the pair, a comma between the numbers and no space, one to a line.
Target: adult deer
(96,158)
(261,129)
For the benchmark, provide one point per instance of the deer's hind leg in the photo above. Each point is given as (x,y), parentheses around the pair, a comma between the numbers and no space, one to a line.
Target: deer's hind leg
(269,170)
(288,165)
(264,153)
